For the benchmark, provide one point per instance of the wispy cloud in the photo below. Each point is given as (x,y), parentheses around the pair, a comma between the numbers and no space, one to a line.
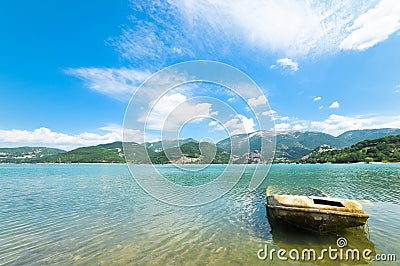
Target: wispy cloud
(180,30)
(116,83)
(334,105)
(397,88)
(374,26)
(157,33)
(161,32)
(315,27)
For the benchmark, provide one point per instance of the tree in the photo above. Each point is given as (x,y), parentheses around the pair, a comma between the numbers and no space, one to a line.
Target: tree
(368,160)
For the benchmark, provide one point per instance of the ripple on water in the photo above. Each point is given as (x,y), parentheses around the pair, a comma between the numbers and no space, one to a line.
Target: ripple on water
(87,214)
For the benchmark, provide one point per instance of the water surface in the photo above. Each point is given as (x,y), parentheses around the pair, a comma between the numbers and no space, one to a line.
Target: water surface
(97,215)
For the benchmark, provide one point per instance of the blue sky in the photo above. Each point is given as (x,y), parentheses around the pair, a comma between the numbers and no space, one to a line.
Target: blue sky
(69,68)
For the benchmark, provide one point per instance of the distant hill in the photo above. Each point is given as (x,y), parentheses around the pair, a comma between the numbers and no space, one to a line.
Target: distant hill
(317,151)
(355,136)
(189,151)
(293,145)
(192,152)
(386,149)
(27,154)
(241,144)
(158,146)
(290,145)
(103,153)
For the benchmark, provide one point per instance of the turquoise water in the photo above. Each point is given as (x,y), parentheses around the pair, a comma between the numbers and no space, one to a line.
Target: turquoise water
(97,215)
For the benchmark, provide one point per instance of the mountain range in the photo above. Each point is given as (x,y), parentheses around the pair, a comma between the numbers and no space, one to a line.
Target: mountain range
(385,149)
(243,148)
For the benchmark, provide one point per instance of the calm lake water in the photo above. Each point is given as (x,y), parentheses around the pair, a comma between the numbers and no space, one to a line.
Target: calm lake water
(98,215)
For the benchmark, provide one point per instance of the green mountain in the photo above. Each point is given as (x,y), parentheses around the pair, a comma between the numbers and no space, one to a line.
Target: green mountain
(158,146)
(189,151)
(355,136)
(27,154)
(103,153)
(154,152)
(243,148)
(291,145)
(225,144)
(386,149)
(192,152)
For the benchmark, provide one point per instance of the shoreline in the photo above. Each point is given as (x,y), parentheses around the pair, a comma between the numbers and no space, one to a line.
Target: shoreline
(110,163)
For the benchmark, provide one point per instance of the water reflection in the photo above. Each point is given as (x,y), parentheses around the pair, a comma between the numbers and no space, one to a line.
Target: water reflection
(346,244)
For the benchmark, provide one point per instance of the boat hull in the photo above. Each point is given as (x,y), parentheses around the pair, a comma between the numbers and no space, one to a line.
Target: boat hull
(313,217)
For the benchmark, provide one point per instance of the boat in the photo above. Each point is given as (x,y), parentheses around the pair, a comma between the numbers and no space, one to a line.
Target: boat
(317,213)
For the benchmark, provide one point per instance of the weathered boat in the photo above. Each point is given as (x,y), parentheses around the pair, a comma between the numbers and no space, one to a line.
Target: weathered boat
(315,213)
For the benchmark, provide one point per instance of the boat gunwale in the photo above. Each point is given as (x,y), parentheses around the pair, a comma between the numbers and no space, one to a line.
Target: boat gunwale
(319,211)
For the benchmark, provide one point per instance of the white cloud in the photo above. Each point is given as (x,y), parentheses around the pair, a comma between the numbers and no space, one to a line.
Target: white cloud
(131,135)
(162,109)
(374,26)
(269,113)
(300,126)
(248,123)
(213,123)
(238,125)
(284,118)
(320,107)
(317,98)
(232,99)
(282,126)
(397,88)
(260,100)
(337,124)
(290,123)
(215,126)
(287,64)
(116,83)
(45,137)
(171,111)
(334,105)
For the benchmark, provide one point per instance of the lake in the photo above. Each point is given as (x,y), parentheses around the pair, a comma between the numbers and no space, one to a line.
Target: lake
(96,214)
